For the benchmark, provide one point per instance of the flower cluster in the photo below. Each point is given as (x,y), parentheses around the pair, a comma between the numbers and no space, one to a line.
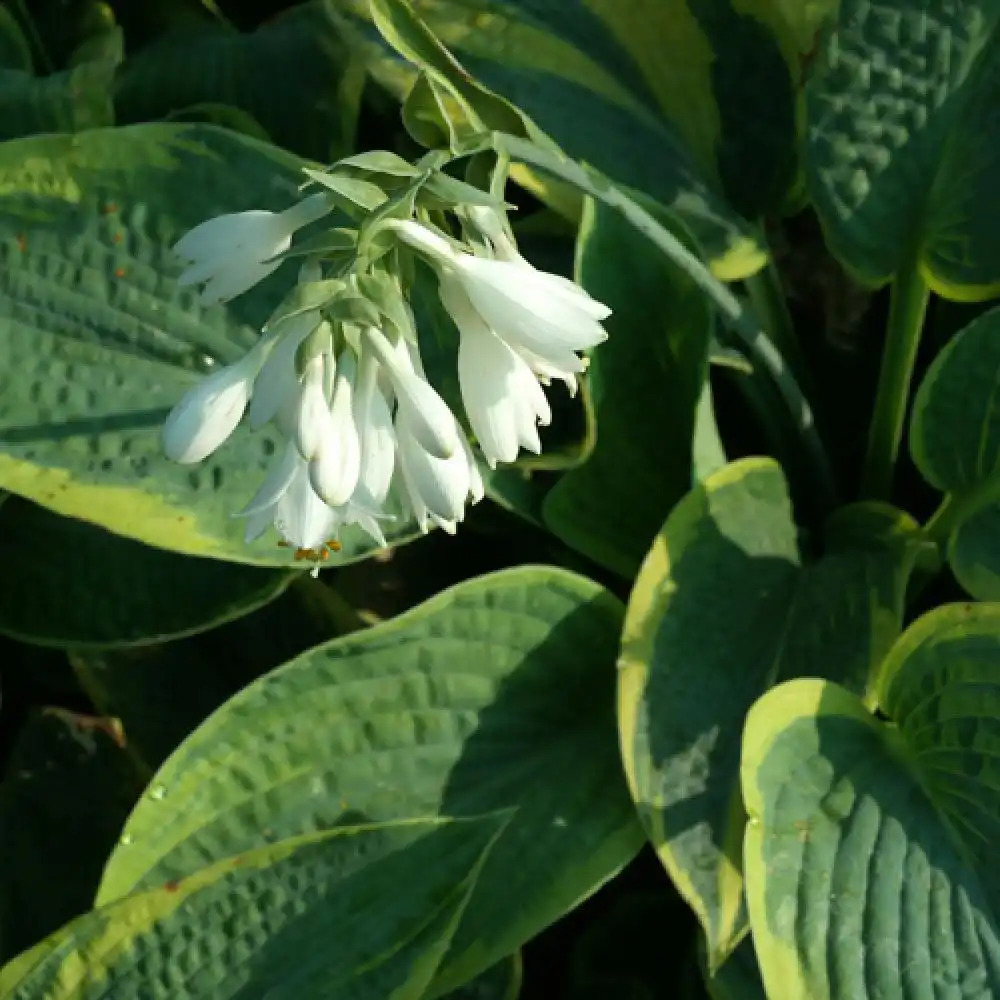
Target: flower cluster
(338,370)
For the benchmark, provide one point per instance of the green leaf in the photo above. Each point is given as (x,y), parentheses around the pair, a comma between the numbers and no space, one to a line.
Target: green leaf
(869,861)
(500,982)
(67,788)
(903,147)
(721,610)
(161,693)
(110,591)
(351,193)
(495,694)
(611,506)
(294,75)
(105,341)
(71,101)
(955,443)
(363,912)
(738,978)
(575,74)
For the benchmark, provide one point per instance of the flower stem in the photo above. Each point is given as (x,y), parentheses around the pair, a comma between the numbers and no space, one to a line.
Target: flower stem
(907,308)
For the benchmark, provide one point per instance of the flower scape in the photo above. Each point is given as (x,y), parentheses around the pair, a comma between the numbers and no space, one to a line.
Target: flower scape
(338,370)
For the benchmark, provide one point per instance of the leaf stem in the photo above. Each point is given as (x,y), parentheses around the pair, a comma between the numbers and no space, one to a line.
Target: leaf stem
(768,300)
(907,308)
(28,24)
(755,343)
(943,521)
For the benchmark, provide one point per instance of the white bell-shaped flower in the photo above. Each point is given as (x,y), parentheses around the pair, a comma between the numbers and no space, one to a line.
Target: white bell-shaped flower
(277,383)
(373,418)
(208,413)
(544,313)
(437,489)
(502,397)
(231,253)
(429,418)
(336,465)
(312,412)
(287,500)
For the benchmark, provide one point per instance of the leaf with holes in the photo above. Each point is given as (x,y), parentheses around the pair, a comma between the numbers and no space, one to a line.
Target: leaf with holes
(869,861)
(317,917)
(955,443)
(903,150)
(104,340)
(495,694)
(723,608)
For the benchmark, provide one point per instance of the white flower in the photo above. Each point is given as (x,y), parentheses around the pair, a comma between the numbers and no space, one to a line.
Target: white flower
(502,396)
(312,413)
(231,253)
(207,414)
(428,417)
(545,314)
(287,500)
(436,488)
(336,465)
(373,419)
(277,383)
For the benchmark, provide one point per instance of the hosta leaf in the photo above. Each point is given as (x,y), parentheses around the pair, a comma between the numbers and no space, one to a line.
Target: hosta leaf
(581,77)
(360,912)
(70,101)
(721,609)
(658,335)
(493,695)
(293,75)
(955,442)
(869,868)
(903,151)
(161,693)
(500,982)
(104,340)
(110,591)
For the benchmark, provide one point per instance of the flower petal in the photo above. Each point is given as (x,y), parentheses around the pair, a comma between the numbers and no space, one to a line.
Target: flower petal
(304,521)
(277,380)
(312,418)
(208,413)
(221,235)
(334,470)
(275,485)
(429,418)
(519,307)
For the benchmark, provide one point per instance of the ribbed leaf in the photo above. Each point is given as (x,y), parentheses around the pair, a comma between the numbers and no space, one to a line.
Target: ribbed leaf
(903,152)
(104,341)
(955,442)
(493,695)
(869,862)
(722,608)
(362,912)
